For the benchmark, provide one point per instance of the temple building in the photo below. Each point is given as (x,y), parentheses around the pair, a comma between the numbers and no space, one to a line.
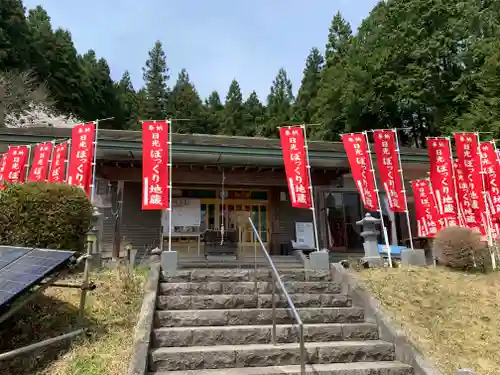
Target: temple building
(220,180)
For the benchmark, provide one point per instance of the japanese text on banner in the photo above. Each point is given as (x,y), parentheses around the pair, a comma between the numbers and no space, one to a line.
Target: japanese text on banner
(295,160)
(425,209)
(15,164)
(441,174)
(356,148)
(40,163)
(491,170)
(389,168)
(57,171)
(155,168)
(464,201)
(81,158)
(470,161)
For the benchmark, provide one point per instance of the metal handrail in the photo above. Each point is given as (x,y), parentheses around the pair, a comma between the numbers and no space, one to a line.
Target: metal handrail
(295,313)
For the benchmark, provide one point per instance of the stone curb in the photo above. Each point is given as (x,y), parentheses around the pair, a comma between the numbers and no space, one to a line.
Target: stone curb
(142,337)
(406,352)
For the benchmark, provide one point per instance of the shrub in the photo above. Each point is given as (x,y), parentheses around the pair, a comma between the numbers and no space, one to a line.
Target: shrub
(44,215)
(460,248)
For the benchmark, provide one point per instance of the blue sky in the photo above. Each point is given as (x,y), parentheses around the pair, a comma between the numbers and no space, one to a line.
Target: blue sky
(215,40)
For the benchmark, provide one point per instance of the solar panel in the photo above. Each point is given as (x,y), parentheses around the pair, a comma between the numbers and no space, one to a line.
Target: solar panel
(31,266)
(9,254)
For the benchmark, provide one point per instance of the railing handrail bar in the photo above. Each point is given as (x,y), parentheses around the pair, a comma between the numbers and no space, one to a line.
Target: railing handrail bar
(276,276)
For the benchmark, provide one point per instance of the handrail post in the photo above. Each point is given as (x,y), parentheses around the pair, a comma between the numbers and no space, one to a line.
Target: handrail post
(274,309)
(302,350)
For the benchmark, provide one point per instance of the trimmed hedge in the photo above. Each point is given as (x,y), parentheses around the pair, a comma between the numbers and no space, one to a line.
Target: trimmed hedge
(44,215)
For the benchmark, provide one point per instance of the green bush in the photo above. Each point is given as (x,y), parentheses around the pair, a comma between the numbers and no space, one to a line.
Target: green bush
(44,215)
(461,248)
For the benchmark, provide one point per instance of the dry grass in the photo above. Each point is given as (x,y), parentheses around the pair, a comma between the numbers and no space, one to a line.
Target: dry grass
(454,318)
(112,311)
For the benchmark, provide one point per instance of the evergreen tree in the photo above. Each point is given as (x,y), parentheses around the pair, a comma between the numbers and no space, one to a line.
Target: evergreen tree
(254,115)
(212,113)
(185,103)
(42,43)
(308,90)
(156,78)
(128,101)
(15,47)
(279,105)
(232,115)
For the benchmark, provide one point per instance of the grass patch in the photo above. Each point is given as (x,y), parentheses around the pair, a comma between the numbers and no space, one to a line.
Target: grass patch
(453,317)
(111,310)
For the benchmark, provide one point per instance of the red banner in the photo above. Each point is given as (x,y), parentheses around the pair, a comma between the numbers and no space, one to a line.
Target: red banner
(3,161)
(469,159)
(464,201)
(295,159)
(155,168)
(389,168)
(441,174)
(356,148)
(40,162)
(16,164)
(58,165)
(491,170)
(82,154)
(426,212)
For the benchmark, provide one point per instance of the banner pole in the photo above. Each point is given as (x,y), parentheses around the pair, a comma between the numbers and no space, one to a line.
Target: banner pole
(49,164)
(93,165)
(27,165)
(382,224)
(398,152)
(485,202)
(311,188)
(169,146)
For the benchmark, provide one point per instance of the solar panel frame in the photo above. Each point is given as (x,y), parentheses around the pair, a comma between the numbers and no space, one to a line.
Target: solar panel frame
(8,254)
(28,270)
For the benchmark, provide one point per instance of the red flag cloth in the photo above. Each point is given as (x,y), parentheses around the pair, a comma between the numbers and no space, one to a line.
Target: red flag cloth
(389,168)
(82,156)
(425,209)
(295,160)
(356,148)
(464,200)
(491,170)
(2,166)
(155,165)
(40,162)
(16,164)
(441,174)
(57,171)
(468,155)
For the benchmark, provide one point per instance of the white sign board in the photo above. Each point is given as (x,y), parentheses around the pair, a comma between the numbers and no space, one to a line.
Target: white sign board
(185,213)
(304,235)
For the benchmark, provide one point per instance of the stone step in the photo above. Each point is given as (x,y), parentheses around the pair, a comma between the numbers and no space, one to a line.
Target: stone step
(257,355)
(286,274)
(187,318)
(241,335)
(249,301)
(353,368)
(248,287)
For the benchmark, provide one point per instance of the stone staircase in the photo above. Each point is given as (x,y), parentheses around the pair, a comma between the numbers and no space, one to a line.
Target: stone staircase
(219,321)
(193,261)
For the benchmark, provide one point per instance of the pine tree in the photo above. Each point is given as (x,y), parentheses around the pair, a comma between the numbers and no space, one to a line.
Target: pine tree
(42,42)
(155,75)
(279,104)
(15,47)
(185,103)
(339,37)
(232,115)
(254,115)
(309,88)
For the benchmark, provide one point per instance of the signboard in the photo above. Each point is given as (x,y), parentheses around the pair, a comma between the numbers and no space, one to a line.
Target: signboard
(185,213)
(304,235)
